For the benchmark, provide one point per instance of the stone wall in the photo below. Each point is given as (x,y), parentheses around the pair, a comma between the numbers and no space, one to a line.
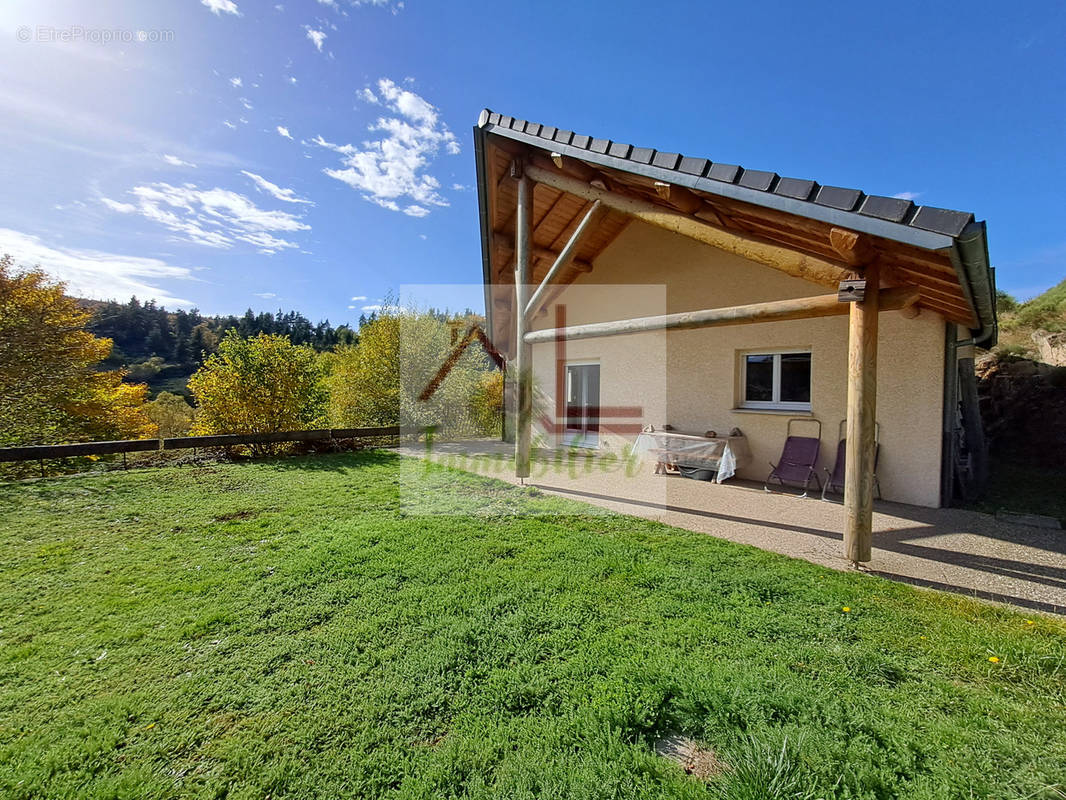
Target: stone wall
(1023,406)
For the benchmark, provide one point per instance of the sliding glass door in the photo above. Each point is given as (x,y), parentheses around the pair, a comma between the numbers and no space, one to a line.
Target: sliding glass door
(582,404)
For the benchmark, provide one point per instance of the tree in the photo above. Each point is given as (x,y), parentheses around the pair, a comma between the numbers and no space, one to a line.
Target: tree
(1005,303)
(381,379)
(50,387)
(261,384)
(171,414)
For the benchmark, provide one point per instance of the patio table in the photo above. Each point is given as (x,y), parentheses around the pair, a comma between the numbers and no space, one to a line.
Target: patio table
(723,454)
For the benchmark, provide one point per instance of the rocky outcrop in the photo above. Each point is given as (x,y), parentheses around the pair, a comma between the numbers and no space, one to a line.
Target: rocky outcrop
(1051,347)
(1023,407)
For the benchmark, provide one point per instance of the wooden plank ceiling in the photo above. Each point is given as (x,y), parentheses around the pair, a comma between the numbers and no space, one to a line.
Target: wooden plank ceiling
(556,214)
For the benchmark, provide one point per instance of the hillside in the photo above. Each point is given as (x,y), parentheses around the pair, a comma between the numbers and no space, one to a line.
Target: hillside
(163,348)
(1035,329)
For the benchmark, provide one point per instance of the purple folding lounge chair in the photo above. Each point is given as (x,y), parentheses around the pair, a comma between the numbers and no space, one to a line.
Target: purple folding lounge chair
(834,481)
(798,459)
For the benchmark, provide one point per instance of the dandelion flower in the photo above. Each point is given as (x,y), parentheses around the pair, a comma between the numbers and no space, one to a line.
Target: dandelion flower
(994,659)
(149,727)
(1028,622)
(847,609)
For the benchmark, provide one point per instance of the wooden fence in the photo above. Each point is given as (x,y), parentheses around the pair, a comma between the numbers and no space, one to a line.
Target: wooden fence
(50,451)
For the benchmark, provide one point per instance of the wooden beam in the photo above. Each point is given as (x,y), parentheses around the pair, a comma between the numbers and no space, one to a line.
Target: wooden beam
(524,360)
(826,305)
(507,243)
(861,447)
(799,265)
(566,255)
(853,248)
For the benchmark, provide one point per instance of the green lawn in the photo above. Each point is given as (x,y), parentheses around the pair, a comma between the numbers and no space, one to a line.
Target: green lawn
(295,628)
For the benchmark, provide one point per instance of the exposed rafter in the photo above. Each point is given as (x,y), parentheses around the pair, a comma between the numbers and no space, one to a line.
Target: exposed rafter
(800,265)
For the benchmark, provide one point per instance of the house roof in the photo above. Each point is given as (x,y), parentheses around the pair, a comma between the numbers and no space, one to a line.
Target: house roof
(943,252)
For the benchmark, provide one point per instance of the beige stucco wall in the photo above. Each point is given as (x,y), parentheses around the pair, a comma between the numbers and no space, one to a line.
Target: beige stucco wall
(690,379)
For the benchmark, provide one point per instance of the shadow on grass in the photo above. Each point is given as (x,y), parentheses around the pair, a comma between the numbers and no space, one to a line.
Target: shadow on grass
(339,462)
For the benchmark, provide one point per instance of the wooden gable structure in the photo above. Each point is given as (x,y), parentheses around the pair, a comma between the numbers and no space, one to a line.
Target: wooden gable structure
(551,201)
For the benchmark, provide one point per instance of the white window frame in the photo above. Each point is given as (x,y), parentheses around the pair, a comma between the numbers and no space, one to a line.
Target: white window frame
(775,404)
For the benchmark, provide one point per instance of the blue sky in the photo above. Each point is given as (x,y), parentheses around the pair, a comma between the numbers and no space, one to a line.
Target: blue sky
(316,155)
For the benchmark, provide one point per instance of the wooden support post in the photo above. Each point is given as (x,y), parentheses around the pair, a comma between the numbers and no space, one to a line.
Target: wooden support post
(861,424)
(524,359)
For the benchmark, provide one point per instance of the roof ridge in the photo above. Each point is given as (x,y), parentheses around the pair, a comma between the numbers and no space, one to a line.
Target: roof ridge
(897,210)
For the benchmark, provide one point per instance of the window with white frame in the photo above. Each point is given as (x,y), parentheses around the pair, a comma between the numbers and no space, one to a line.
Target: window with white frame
(776,380)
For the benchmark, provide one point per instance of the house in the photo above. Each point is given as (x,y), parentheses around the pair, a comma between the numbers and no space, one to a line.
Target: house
(633,287)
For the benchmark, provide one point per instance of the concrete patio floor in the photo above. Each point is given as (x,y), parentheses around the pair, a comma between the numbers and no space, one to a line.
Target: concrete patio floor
(947,549)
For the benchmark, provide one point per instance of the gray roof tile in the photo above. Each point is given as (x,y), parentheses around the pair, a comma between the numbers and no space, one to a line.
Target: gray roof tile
(666,160)
(724,172)
(619,150)
(758,179)
(837,197)
(641,155)
(894,209)
(694,166)
(795,188)
(941,220)
(600,146)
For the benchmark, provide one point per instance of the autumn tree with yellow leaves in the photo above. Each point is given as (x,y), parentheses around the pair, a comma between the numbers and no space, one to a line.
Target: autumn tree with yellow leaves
(261,384)
(51,389)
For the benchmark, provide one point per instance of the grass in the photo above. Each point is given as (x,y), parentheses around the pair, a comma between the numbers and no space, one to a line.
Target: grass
(298,628)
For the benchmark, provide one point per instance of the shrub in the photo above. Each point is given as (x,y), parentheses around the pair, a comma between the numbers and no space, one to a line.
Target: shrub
(259,385)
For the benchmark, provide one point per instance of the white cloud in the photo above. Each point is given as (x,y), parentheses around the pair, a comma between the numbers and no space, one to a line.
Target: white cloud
(283,131)
(246,103)
(220,7)
(331,3)
(94,274)
(263,185)
(115,205)
(393,167)
(265,295)
(371,308)
(174,161)
(229,124)
(316,36)
(367,94)
(907,195)
(216,217)
(236,83)
(358,298)
(459,187)
(292,80)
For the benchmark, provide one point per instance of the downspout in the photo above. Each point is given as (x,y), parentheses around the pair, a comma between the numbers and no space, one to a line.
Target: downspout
(978,280)
(950,411)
